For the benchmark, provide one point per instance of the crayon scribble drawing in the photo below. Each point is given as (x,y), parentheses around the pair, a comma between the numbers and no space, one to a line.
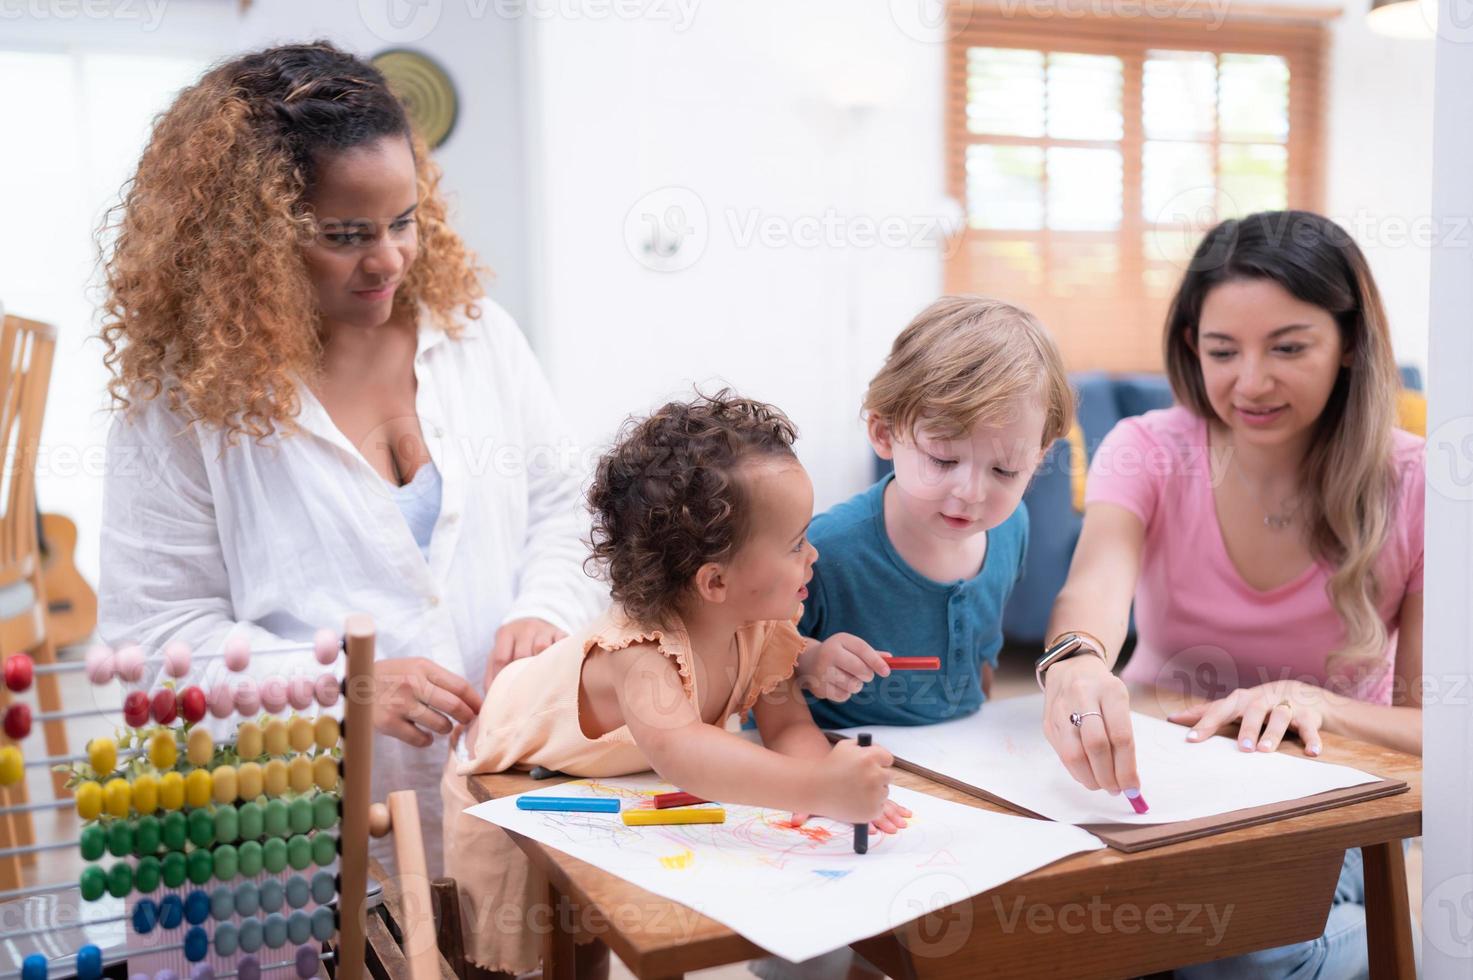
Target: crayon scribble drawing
(763,876)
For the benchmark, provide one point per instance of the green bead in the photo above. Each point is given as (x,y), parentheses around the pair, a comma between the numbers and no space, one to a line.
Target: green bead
(176,869)
(274,850)
(301,814)
(299,852)
(201,828)
(251,821)
(120,879)
(92,883)
(120,838)
(324,849)
(93,841)
(227,862)
(175,831)
(201,866)
(227,824)
(277,821)
(249,856)
(146,875)
(146,836)
(325,811)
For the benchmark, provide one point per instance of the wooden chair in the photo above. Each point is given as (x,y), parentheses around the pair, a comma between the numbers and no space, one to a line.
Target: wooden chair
(26,351)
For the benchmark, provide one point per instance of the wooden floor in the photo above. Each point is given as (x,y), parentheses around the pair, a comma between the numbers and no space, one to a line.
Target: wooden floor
(1014,679)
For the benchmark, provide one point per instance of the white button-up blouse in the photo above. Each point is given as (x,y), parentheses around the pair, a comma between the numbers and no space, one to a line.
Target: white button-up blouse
(283,537)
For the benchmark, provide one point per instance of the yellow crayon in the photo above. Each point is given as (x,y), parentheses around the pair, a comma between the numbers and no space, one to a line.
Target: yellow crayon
(654,818)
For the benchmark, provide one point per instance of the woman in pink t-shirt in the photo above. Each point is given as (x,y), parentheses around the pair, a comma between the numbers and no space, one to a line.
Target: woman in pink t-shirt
(1268,528)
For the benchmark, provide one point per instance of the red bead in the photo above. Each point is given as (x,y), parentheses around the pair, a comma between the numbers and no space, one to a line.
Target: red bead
(135,709)
(165,709)
(18,672)
(18,721)
(192,704)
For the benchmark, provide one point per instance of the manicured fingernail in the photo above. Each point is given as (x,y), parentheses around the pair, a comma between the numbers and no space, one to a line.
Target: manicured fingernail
(1192,735)
(1247,743)
(1131,794)
(1265,744)
(1314,749)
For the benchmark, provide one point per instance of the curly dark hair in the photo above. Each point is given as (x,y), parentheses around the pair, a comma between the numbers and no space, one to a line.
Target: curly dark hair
(667,498)
(208,297)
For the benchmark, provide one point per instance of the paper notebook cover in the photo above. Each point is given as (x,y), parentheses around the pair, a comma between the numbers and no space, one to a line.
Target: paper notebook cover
(1141,837)
(1193,789)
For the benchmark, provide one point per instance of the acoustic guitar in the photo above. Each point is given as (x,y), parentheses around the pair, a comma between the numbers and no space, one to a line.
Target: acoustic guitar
(71,613)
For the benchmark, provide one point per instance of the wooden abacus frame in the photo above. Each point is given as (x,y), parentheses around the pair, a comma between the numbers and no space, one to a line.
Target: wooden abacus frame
(359,818)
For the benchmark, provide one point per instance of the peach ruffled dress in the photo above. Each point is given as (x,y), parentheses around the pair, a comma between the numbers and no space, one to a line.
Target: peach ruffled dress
(530,718)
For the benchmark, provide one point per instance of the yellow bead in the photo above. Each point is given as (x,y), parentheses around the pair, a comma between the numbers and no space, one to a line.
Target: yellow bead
(275,778)
(248,740)
(117,797)
(89,797)
(300,772)
(326,732)
(225,783)
(145,792)
(171,790)
(102,756)
(163,751)
(201,747)
(249,777)
(198,787)
(325,772)
(276,741)
(12,766)
(299,734)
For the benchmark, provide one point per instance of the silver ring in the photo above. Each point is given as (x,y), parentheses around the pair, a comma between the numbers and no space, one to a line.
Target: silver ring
(1076,718)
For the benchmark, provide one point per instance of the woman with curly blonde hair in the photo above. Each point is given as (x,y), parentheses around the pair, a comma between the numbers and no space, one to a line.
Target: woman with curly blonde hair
(318,410)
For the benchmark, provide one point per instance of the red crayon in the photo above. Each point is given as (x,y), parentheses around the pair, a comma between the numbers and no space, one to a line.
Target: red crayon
(913,663)
(663,801)
(1137,800)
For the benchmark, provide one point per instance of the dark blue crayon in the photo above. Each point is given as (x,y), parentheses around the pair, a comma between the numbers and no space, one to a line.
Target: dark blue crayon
(861,830)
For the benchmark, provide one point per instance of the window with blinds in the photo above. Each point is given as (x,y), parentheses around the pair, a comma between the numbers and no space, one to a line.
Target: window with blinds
(1092,154)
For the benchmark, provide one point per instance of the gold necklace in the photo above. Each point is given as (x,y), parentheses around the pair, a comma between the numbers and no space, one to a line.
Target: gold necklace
(1275,521)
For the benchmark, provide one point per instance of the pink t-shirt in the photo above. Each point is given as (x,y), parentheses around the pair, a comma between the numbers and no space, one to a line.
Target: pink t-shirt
(1200,627)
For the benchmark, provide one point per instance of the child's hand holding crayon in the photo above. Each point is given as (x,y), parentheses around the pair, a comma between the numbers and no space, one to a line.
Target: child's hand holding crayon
(838,667)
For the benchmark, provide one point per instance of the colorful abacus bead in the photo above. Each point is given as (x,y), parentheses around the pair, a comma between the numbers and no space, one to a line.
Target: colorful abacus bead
(135,709)
(200,747)
(165,706)
(171,910)
(176,658)
(145,792)
(12,765)
(117,797)
(88,796)
(129,663)
(163,750)
(327,689)
(307,960)
(17,723)
(199,786)
(274,694)
(92,883)
(196,945)
(19,670)
(299,734)
(171,790)
(251,780)
(325,732)
(145,916)
(92,842)
(249,742)
(102,756)
(101,664)
(202,971)
(299,693)
(237,653)
(247,697)
(33,967)
(222,700)
(192,704)
(326,646)
(249,968)
(89,963)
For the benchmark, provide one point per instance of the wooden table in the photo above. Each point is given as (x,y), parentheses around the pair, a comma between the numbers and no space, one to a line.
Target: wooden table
(1102,914)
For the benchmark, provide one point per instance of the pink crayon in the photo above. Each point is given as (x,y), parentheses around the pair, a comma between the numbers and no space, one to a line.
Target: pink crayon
(1137,801)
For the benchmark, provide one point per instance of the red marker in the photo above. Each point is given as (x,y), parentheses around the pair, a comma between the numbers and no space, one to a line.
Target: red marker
(663,801)
(913,663)
(1137,800)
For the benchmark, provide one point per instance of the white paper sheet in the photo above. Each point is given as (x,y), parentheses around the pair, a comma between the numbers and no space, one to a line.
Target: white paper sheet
(798,893)
(1001,749)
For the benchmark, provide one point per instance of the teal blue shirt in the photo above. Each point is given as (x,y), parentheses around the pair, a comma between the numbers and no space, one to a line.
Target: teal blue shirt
(862,586)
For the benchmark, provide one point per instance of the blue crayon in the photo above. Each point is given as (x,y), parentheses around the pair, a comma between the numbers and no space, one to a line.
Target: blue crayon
(571,804)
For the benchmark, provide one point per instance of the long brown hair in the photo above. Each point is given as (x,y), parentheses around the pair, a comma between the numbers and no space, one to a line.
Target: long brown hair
(1347,482)
(208,297)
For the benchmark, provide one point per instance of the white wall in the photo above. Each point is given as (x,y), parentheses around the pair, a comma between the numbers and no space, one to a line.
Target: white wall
(750,113)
